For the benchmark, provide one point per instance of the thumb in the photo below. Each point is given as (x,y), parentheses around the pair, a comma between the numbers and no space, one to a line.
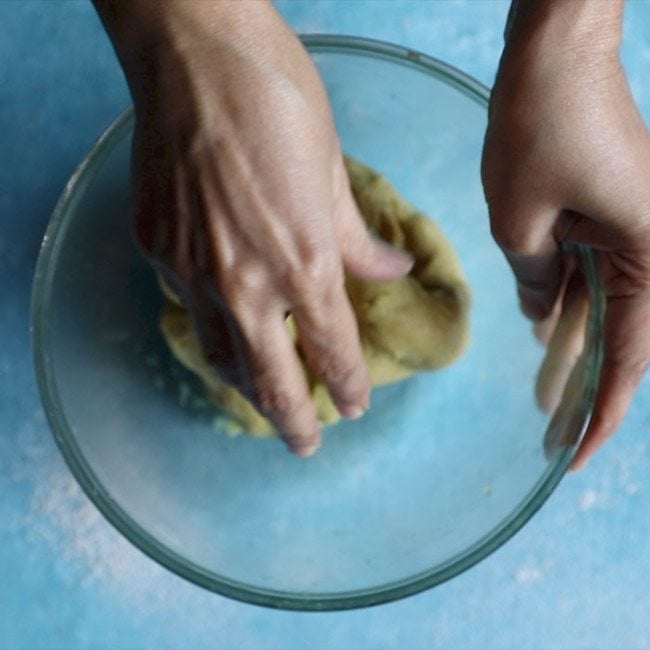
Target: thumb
(537,261)
(365,255)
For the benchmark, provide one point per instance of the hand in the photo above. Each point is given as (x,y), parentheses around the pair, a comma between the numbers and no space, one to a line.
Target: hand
(567,159)
(244,205)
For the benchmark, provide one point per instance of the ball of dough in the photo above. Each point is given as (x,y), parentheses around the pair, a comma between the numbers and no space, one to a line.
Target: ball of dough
(419,322)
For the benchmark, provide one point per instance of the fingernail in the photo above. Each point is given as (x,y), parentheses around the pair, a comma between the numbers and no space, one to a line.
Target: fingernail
(577,465)
(353,412)
(402,260)
(305,451)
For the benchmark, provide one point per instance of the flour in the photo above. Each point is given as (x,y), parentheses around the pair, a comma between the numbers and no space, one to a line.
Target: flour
(534,570)
(528,574)
(589,498)
(617,482)
(89,551)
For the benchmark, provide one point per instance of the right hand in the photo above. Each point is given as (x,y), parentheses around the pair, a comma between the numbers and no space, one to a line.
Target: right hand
(244,206)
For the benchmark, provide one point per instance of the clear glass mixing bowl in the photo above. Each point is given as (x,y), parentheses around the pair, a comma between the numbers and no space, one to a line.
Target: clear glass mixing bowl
(444,468)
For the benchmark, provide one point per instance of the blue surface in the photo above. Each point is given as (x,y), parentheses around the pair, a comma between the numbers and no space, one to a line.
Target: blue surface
(576,577)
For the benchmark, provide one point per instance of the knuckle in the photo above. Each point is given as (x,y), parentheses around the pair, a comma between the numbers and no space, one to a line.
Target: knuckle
(317,273)
(242,292)
(336,371)
(511,237)
(245,280)
(276,401)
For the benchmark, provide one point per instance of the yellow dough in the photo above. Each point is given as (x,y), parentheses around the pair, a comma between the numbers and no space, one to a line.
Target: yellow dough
(415,323)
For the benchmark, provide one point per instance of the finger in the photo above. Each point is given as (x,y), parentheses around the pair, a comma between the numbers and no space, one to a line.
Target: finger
(158,207)
(626,342)
(544,328)
(217,333)
(329,339)
(165,210)
(255,354)
(276,382)
(363,254)
(564,430)
(565,344)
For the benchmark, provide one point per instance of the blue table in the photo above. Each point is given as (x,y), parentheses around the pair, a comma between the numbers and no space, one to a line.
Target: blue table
(577,576)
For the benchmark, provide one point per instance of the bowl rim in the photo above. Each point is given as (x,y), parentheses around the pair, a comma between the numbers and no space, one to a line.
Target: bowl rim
(55,413)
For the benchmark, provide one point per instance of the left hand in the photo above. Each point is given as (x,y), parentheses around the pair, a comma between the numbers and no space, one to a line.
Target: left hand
(567,159)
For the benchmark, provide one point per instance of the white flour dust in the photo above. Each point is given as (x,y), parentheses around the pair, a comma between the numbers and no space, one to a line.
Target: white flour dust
(528,574)
(89,551)
(534,570)
(618,482)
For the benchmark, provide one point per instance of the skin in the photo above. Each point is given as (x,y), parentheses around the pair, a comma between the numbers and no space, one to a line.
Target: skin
(243,203)
(567,160)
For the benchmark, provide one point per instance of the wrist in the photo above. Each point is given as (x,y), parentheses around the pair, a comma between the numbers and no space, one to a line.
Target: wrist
(140,28)
(147,22)
(170,45)
(577,30)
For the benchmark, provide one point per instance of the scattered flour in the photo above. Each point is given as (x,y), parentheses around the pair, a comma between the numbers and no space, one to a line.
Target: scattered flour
(619,480)
(534,570)
(528,574)
(589,498)
(90,551)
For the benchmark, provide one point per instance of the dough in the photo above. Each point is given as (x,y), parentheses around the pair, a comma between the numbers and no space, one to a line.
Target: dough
(418,322)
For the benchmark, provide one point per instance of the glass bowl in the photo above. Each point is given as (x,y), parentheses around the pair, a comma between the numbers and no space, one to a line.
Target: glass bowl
(444,468)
